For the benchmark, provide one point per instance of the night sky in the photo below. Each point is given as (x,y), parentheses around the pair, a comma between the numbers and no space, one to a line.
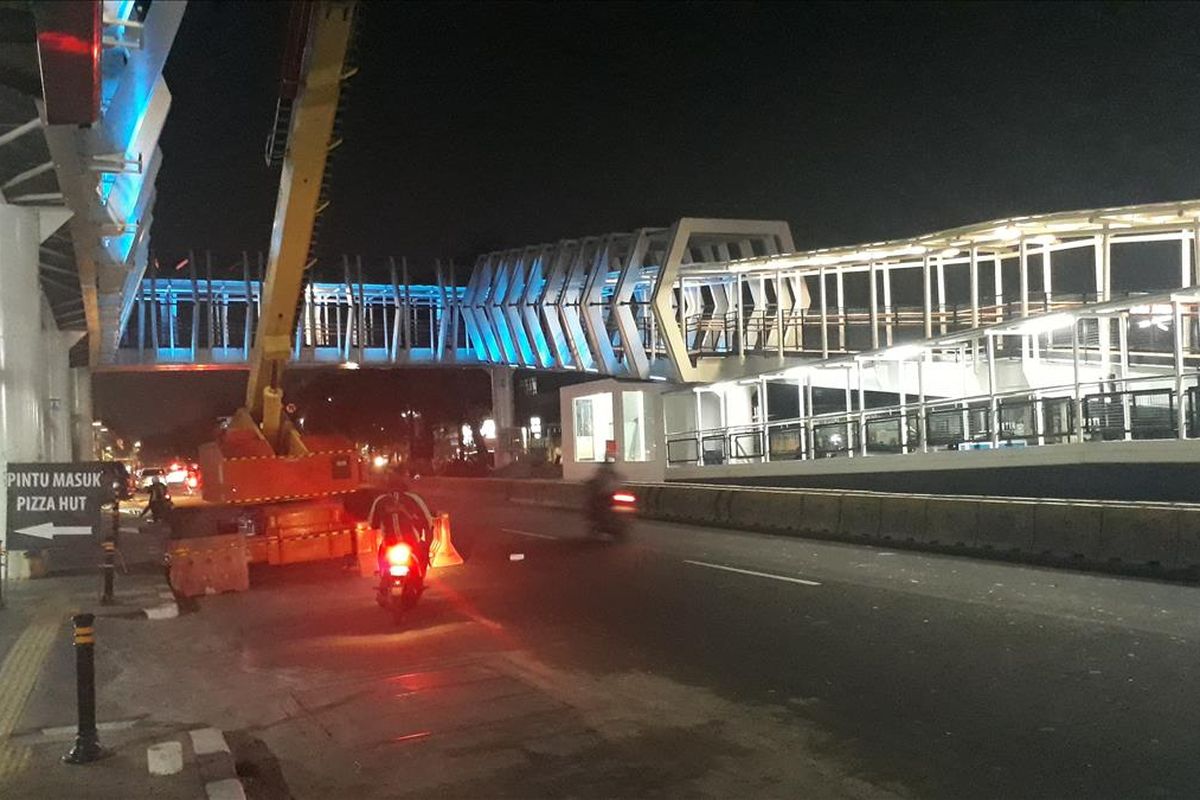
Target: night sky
(473,127)
(489,125)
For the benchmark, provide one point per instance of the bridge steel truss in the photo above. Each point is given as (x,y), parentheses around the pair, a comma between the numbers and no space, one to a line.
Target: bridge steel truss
(704,300)
(616,304)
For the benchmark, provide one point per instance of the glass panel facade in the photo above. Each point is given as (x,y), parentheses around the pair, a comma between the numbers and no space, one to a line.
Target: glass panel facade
(633,420)
(593,418)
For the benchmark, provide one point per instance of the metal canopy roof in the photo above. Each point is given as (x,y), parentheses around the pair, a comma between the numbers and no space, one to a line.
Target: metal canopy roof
(1000,235)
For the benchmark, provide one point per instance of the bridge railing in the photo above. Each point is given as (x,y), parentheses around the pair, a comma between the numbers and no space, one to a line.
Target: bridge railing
(1132,409)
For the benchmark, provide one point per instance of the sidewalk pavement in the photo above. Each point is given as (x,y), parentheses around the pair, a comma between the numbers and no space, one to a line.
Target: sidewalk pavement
(38,695)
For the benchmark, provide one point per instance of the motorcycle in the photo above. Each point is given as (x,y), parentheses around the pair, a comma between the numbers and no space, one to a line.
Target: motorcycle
(613,518)
(160,508)
(401,584)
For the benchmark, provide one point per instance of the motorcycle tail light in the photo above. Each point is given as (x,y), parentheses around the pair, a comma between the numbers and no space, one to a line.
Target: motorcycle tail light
(623,497)
(398,570)
(399,555)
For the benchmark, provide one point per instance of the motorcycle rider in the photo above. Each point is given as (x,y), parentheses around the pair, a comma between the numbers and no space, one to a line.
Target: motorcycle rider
(159,502)
(402,518)
(601,485)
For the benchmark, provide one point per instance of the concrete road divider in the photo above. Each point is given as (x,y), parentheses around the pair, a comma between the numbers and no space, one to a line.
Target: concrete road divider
(1157,537)
(1139,536)
(902,518)
(858,517)
(822,513)
(951,521)
(1006,526)
(1188,526)
(1066,530)
(758,510)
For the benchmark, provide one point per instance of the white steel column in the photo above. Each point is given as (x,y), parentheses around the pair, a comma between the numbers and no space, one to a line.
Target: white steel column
(941,293)
(1047,278)
(779,290)
(974,287)
(824,315)
(841,304)
(993,405)
(922,425)
(1180,406)
(808,420)
(928,298)
(874,300)
(888,314)
(1123,363)
(1024,267)
(900,370)
(741,322)
(998,285)
(800,406)
(862,411)
(1196,252)
(1077,434)
(766,418)
(849,411)
(1104,292)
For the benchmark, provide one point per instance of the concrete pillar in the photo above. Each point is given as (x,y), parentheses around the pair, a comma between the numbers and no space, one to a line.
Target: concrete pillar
(504,413)
(22,352)
(83,438)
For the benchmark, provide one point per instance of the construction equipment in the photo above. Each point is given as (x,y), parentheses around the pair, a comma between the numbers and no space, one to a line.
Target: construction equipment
(261,459)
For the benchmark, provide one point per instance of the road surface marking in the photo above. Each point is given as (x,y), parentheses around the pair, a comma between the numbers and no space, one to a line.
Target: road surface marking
(68,731)
(206,741)
(752,572)
(529,533)
(227,789)
(18,674)
(164,758)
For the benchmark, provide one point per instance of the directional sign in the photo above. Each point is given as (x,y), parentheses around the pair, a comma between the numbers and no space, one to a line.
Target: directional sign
(55,504)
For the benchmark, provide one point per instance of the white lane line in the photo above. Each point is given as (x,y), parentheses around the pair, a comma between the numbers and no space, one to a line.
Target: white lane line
(752,572)
(529,533)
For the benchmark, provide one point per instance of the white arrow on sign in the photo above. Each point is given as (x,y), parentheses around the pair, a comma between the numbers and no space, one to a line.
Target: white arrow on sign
(48,530)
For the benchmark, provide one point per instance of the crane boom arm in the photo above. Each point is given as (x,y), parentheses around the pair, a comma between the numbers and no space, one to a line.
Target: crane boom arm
(309,134)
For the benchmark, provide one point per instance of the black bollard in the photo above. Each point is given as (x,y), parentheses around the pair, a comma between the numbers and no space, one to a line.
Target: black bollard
(109,567)
(87,743)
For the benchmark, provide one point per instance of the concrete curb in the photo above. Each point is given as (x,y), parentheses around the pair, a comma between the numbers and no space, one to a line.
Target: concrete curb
(217,767)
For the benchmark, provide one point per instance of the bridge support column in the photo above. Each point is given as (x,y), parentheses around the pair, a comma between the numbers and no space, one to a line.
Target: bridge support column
(504,414)
(23,380)
(83,435)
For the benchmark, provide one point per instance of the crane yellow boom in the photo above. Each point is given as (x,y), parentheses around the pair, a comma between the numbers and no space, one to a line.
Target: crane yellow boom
(308,144)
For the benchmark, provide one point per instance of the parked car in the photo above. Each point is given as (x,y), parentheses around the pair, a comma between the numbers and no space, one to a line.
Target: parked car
(147,476)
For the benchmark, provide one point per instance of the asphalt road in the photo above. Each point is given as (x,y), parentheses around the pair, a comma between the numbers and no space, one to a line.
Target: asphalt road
(686,662)
(948,677)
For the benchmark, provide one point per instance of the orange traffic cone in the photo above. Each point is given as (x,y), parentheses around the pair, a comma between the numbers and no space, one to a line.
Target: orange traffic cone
(442,552)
